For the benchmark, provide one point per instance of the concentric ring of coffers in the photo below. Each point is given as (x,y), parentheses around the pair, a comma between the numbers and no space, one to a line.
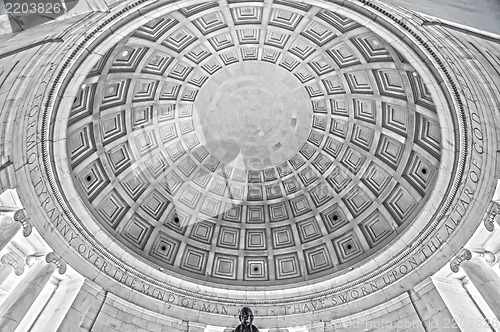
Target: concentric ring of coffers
(363,168)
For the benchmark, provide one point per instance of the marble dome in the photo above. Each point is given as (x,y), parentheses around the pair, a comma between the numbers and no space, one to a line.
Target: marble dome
(331,164)
(254,144)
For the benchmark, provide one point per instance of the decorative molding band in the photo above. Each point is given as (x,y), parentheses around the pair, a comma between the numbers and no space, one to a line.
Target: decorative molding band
(7,208)
(22,49)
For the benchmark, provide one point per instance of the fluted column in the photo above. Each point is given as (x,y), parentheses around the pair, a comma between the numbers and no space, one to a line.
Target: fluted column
(10,262)
(10,226)
(22,297)
(480,273)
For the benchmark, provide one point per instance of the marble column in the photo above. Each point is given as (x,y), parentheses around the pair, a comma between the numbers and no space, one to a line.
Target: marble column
(10,262)
(79,307)
(17,304)
(10,226)
(476,266)
(8,229)
(5,271)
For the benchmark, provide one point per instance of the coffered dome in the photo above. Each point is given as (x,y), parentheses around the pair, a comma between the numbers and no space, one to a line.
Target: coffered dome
(254,143)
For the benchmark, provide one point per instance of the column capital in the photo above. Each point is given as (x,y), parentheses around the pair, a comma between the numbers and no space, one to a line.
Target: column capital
(463,254)
(13,260)
(492,216)
(54,258)
(467,254)
(20,216)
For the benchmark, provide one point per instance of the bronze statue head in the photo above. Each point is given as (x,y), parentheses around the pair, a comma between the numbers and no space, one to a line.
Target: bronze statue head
(246,316)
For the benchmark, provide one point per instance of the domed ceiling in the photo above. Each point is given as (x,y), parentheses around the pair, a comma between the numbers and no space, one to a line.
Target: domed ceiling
(254,143)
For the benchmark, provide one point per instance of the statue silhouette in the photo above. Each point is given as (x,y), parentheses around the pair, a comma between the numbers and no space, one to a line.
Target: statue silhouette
(246,319)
